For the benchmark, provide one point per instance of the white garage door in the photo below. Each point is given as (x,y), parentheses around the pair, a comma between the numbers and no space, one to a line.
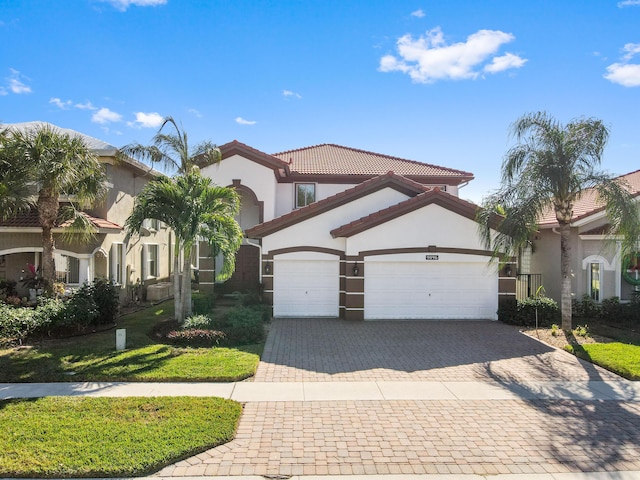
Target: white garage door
(430,290)
(306,288)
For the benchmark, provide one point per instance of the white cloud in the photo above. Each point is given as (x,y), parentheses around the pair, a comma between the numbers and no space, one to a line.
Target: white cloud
(628,3)
(85,106)
(194,112)
(242,121)
(627,75)
(104,116)
(15,83)
(147,120)
(429,58)
(123,5)
(630,50)
(418,13)
(289,93)
(624,73)
(62,105)
(505,62)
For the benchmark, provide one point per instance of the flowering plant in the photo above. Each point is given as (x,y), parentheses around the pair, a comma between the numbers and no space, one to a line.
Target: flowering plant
(33,278)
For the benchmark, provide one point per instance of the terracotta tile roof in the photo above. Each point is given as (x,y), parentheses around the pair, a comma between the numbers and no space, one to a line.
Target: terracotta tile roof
(31,220)
(435,196)
(589,203)
(391,180)
(329,159)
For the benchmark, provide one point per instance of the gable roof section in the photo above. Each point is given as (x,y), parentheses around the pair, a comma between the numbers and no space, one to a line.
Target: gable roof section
(389,180)
(431,197)
(230,149)
(588,204)
(329,160)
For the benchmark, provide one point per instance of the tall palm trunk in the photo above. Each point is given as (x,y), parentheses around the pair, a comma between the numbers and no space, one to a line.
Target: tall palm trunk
(186,283)
(48,213)
(565,270)
(176,283)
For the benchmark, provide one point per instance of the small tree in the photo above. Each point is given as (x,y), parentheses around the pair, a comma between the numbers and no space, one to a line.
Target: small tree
(551,167)
(52,164)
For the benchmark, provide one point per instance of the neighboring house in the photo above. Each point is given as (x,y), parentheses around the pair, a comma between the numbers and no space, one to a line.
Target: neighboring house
(598,268)
(338,232)
(111,254)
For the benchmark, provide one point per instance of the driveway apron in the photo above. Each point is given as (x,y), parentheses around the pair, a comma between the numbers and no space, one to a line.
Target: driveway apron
(501,434)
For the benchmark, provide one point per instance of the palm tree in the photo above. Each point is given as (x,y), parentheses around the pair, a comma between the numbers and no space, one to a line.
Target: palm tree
(55,164)
(172,149)
(193,208)
(550,168)
(16,196)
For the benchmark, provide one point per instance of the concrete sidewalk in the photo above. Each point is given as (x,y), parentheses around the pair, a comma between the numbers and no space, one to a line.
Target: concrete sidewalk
(334,391)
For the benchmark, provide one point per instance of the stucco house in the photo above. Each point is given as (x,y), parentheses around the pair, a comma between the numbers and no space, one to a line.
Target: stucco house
(598,268)
(111,254)
(333,231)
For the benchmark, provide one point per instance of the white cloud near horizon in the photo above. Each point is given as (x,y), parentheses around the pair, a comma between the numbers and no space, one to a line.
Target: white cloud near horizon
(429,58)
(147,120)
(242,121)
(85,106)
(418,13)
(624,73)
(123,5)
(104,116)
(194,111)
(628,3)
(15,83)
(61,104)
(291,94)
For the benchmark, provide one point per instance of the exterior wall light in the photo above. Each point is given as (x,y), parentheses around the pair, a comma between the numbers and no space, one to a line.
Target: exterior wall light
(267,268)
(508,271)
(356,269)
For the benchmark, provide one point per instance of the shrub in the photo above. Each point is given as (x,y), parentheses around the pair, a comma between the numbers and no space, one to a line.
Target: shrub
(106,298)
(524,312)
(15,323)
(196,337)
(198,321)
(586,308)
(8,288)
(203,304)
(242,325)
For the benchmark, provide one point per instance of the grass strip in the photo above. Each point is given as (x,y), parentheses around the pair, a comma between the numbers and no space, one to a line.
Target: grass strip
(620,358)
(109,437)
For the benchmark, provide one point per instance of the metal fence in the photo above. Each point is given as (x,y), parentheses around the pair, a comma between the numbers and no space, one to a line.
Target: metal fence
(527,285)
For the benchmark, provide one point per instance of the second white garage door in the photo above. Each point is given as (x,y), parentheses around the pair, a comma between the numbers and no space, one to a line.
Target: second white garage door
(430,290)
(306,288)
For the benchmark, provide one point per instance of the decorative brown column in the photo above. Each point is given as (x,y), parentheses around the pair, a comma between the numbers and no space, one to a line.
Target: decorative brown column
(353,288)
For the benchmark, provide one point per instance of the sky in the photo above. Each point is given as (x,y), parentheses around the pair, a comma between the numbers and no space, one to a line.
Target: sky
(439,82)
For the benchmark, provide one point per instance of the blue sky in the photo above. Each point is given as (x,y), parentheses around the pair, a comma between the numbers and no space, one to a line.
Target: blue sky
(433,81)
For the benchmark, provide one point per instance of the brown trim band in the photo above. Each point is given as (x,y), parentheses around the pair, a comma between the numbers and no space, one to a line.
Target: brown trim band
(281,251)
(429,249)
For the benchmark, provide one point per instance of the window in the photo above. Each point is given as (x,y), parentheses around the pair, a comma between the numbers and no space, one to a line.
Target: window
(152,224)
(594,281)
(67,269)
(116,263)
(305,194)
(149,261)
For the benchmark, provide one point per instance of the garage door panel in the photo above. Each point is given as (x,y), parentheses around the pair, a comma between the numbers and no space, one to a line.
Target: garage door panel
(306,288)
(414,290)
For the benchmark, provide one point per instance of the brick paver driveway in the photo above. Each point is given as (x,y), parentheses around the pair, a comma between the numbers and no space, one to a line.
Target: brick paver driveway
(335,350)
(482,437)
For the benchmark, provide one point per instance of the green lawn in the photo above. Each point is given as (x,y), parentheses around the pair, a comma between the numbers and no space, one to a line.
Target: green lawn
(620,358)
(93,357)
(108,437)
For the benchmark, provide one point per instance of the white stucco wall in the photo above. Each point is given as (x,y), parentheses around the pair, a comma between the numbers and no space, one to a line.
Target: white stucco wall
(430,225)
(316,231)
(258,178)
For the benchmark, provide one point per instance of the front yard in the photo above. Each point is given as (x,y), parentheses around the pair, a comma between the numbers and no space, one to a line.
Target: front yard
(94,358)
(113,437)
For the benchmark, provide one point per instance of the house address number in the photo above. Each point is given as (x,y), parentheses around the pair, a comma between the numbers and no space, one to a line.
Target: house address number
(431,257)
